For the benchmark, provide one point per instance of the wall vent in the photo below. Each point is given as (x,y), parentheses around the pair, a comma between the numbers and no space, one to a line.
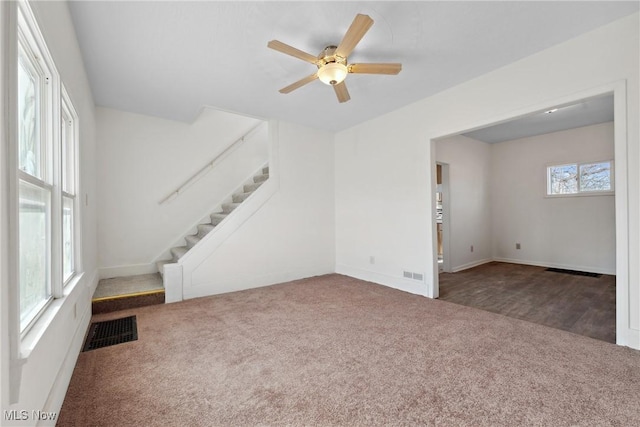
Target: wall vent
(412,275)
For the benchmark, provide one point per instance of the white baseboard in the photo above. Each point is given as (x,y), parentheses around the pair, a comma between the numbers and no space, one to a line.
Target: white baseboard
(243,283)
(403,284)
(471,265)
(555,265)
(127,270)
(59,390)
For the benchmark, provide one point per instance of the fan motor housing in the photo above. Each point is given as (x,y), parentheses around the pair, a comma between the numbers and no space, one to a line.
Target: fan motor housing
(328,55)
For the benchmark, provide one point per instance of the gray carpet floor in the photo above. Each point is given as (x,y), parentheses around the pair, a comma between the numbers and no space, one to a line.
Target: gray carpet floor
(336,351)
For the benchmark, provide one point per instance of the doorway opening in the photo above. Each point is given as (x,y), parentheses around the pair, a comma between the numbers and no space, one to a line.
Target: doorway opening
(619,206)
(442,217)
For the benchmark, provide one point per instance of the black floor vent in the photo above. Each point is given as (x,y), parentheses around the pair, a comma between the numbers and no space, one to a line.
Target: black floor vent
(111,332)
(575,273)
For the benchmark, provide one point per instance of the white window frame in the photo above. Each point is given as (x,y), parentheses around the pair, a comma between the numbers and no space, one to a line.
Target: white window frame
(55,105)
(67,108)
(580,192)
(31,45)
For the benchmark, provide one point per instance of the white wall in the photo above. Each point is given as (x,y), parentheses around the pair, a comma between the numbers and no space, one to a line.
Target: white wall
(143,159)
(385,182)
(568,232)
(52,354)
(292,235)
(469,193)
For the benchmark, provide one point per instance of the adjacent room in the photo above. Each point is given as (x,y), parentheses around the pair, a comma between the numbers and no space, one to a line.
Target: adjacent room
(538,192)
(319,213)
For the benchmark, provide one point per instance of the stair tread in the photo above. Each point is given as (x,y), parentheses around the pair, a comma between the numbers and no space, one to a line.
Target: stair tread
(229,207)
(192,240)
(217,217)
(204,229)
(179,251)
(252,187)
(128,285)
(241,197)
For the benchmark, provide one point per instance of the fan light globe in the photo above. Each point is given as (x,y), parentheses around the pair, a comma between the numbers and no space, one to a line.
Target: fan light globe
(332,73)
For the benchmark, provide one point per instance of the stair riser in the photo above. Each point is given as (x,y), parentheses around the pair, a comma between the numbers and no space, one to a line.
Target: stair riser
(117,304)
(260,178)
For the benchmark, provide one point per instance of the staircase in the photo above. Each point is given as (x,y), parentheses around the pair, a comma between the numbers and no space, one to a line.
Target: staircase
(215,219)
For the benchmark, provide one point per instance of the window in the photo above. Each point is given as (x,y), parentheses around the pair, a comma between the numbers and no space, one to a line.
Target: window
(580,178)
(46,147)
(68,142)
(35,178)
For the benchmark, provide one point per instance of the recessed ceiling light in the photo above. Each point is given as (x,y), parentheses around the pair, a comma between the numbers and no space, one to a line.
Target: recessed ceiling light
(551,111)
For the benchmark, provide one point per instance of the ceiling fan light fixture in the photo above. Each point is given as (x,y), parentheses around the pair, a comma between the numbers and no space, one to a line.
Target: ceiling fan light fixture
(332,73)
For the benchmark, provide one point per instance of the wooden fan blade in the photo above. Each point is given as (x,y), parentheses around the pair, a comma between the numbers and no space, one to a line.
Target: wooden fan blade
(299,83)
(354,34)
(341,92)
(382,68)
(290,50)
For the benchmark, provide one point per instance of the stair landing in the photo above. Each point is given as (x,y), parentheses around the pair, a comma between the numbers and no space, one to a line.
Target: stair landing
(121,293)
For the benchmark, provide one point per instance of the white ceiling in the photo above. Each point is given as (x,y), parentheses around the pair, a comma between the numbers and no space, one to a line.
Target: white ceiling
(170,58)
(588,112)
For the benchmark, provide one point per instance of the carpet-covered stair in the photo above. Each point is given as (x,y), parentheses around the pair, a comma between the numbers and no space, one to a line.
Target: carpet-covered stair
(215,219)
(121,293)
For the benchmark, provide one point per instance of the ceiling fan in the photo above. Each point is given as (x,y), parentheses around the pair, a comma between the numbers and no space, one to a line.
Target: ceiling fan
(332,63)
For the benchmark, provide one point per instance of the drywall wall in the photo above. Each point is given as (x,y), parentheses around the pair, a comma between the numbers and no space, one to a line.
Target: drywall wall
(144,159)
(49,357)
(567,232)
(469,205)
(385,168)
(292,235)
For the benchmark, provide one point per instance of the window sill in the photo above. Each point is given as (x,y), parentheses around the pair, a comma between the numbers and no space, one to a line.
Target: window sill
(31,339)
(585,194)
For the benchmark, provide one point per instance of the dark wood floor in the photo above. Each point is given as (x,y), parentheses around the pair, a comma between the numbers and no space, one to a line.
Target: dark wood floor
(578,304)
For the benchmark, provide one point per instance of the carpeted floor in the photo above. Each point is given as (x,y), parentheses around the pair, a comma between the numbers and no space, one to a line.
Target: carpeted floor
(333,350)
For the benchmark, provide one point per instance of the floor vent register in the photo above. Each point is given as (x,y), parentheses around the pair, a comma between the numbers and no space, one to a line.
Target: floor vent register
(111,332)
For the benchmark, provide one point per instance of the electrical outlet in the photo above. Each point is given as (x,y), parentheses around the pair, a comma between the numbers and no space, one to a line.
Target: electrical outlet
(517,245)
(471,248)
(372,259)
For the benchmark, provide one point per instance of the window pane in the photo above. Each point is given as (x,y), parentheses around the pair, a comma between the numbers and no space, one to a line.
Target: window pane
(68,152)
(563,179)
(595,177)
(30,144)
(67,238)
(35,287)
